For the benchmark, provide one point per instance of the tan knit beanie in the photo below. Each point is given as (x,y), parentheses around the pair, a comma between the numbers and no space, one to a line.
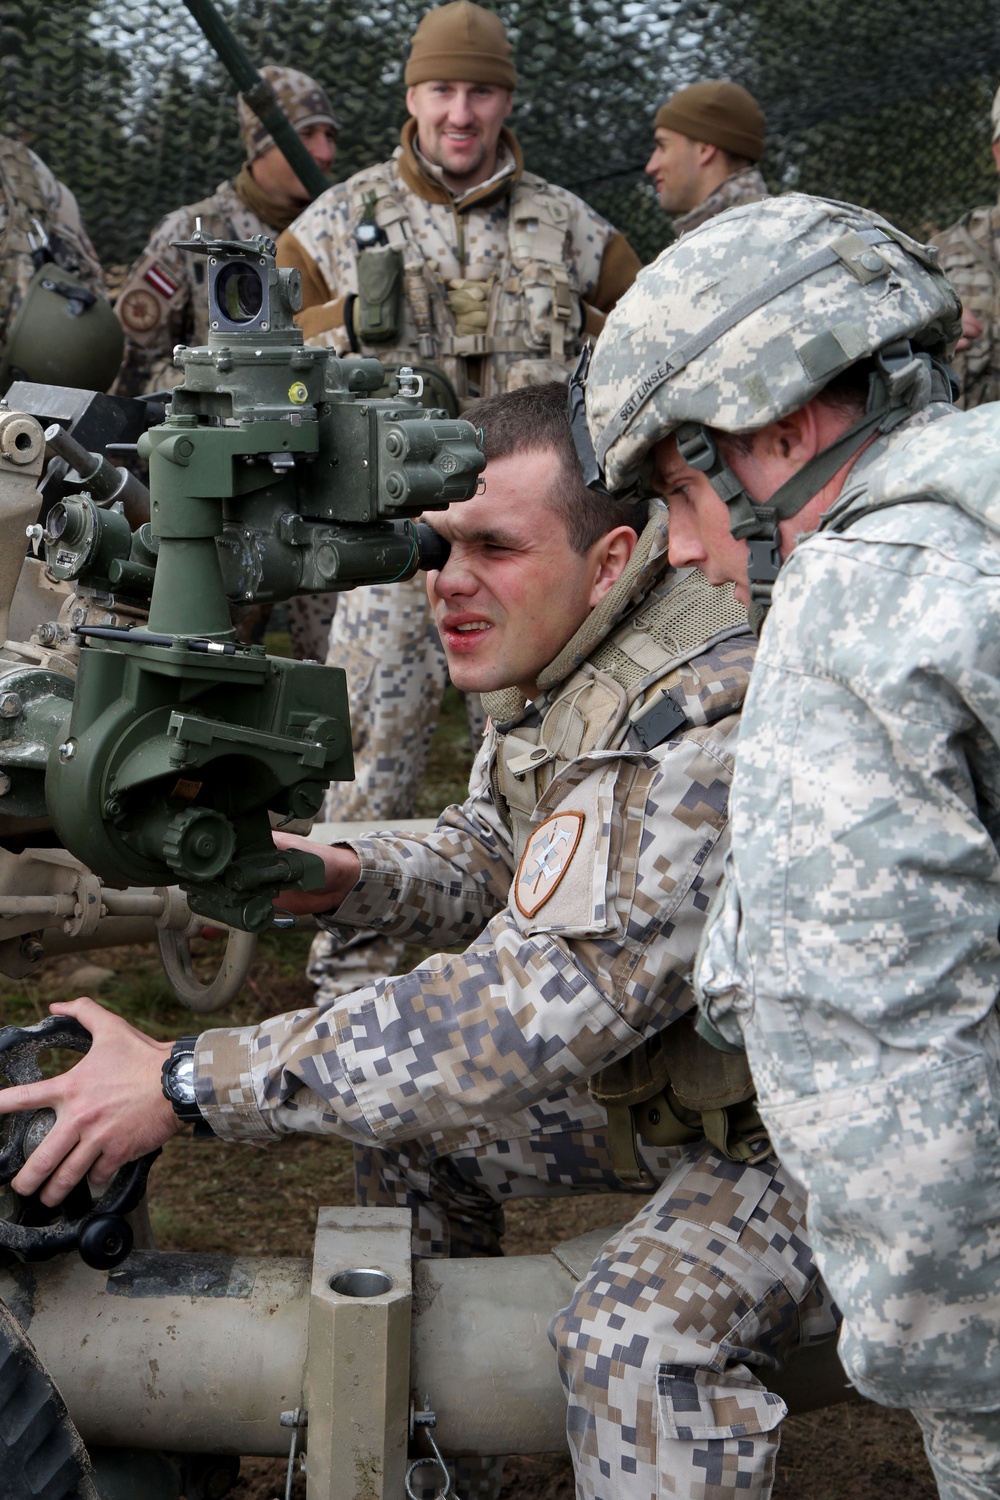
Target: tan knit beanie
(300,96)
(461,41)
(721,114)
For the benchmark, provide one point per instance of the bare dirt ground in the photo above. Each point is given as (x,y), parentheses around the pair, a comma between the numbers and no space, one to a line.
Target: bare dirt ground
(248,1201)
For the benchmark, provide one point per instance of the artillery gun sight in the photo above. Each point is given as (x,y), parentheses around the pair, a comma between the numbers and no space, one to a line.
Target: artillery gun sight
(159,746)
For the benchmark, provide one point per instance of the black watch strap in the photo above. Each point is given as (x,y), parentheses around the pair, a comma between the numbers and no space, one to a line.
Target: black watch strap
(186,1110)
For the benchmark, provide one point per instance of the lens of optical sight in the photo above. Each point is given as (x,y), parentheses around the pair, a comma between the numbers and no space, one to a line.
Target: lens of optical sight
(240,292)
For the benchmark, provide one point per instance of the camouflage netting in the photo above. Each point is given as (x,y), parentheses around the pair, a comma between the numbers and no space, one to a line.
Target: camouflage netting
(886,105)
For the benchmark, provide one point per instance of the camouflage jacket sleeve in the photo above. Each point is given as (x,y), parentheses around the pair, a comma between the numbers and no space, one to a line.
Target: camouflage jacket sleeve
(546,993)
(321,246)
(857,948)
(619,267)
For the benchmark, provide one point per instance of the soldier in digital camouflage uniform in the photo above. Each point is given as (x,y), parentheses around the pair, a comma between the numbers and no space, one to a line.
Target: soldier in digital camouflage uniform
(578,873)
(970,258)
(164,301)
(501,276)
(40,225)
(709,138)
(781,369)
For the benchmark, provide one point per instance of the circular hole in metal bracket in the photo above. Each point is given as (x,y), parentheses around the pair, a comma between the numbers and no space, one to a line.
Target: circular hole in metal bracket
(363,1282)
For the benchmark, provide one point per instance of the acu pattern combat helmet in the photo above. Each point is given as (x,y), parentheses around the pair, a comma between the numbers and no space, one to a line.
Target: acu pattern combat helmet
(746,319)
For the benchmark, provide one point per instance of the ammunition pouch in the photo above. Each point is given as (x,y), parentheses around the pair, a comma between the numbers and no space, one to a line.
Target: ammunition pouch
(377,310)
(675,1089)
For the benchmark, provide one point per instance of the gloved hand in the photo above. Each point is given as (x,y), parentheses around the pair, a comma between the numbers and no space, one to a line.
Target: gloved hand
(469,303)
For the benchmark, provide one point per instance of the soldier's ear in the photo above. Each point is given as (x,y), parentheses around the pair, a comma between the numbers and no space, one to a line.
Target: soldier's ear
(610,553)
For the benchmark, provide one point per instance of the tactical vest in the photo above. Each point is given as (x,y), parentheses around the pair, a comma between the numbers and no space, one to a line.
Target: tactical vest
(676,1087)
(25,203)
(533,315)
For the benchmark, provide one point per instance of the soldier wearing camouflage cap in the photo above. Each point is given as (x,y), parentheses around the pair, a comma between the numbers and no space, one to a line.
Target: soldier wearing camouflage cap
(454,259)
(163,301)
(970,258)
(780,376)
(708,138)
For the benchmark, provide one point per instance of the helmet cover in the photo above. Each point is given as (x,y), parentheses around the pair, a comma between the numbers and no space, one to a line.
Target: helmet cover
(749,316)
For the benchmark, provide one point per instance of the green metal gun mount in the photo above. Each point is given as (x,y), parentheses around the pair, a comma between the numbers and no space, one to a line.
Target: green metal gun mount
(276,472)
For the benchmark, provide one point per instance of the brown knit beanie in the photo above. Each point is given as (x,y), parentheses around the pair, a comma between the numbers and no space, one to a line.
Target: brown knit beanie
(300,96)
(721,114)
(461,41)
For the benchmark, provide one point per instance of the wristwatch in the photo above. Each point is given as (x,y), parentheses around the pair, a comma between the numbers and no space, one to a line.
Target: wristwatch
(177,1076)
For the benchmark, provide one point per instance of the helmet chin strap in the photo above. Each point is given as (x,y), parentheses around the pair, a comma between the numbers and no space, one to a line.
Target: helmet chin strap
(900,385)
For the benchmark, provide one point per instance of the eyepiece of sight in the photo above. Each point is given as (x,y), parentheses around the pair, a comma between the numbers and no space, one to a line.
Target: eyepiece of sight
(239,291)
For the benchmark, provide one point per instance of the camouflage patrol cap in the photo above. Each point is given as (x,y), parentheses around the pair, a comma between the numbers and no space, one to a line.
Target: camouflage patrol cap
(750,315)
(301,97)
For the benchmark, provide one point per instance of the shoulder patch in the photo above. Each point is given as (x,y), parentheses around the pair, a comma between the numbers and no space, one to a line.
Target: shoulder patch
(139,310)
(546,859)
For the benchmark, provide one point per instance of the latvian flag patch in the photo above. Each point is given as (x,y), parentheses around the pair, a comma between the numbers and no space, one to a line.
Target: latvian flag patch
(160,281)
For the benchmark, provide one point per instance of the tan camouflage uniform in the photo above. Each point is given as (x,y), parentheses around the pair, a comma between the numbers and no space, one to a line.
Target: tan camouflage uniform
(164,302)
(970,258)
(465,1081)
(40,195)
(384,635)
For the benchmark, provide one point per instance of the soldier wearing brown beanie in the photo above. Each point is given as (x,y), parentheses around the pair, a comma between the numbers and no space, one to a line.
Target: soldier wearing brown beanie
(709,138)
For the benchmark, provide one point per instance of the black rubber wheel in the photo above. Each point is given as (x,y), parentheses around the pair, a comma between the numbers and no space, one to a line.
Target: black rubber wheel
(42,1456)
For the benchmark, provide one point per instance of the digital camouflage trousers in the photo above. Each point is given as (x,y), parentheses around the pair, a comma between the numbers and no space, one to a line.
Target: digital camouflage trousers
(665,1349)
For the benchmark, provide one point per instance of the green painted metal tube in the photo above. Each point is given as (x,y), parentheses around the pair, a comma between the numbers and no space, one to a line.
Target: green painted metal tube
(259,94)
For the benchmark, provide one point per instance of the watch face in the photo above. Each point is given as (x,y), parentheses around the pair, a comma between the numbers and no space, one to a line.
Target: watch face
(182,1078)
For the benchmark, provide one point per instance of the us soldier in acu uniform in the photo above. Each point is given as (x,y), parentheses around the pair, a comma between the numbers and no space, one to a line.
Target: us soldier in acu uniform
(708,138)
(783,367)
(56,324)
(970,258)
(164,301)
(577,873)
(452,258)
